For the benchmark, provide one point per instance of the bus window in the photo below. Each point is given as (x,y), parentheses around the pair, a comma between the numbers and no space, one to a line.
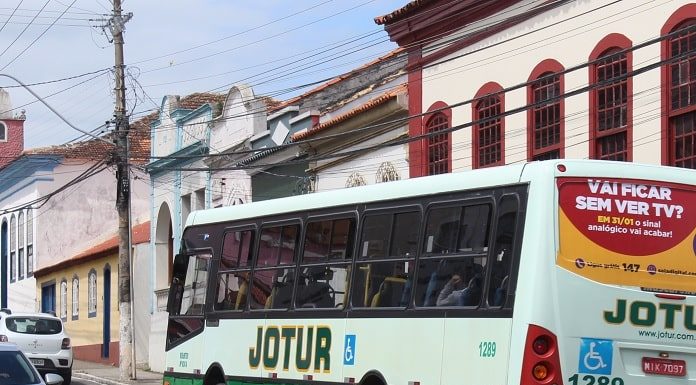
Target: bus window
(451,270)
(324,269)
(195,285)
(457,229)
(386,283)
(274,270)
(502,254)
(236,249)
(233,287)
(232,291)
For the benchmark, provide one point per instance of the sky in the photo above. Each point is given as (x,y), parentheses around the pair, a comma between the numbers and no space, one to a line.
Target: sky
(174,47)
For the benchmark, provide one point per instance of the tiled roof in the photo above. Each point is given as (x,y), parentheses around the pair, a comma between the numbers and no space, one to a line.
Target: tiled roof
(195,100)
(356,111)
(139,139)
(96,150)
(92,149)
(335,80)
(402,12)
(140,234)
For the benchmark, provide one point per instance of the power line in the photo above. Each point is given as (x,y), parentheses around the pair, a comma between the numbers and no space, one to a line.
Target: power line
(25,28)
(37,38)
(12,14)
(524,108)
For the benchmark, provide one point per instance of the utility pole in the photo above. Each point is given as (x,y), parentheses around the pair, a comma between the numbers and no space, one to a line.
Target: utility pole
(126,357)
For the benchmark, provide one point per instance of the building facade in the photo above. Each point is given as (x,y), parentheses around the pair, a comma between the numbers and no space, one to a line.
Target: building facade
(583,79)
(87,298)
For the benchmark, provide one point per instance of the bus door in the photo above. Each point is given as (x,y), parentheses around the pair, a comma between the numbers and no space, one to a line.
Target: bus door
(626,281)
(186,307)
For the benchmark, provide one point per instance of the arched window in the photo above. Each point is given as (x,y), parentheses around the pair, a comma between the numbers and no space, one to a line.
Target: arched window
(64,300)
(611,99)
(488,147)
(75,297)
(92,294)
(679,89)
(20,245)
(13,248)
(30,243)
(545,116)
(439,148)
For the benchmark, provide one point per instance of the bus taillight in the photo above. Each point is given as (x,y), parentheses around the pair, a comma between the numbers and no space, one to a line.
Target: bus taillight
(541,363)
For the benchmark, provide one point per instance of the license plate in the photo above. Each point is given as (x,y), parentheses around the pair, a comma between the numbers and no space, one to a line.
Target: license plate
(36,361)
(664,366)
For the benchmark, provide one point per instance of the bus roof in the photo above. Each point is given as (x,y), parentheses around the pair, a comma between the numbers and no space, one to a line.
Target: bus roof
(470,179)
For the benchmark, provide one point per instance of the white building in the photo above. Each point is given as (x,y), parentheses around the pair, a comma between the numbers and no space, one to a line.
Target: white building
(511,81)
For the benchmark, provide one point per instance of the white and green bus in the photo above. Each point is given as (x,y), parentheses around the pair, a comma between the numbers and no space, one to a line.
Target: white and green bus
(574,272)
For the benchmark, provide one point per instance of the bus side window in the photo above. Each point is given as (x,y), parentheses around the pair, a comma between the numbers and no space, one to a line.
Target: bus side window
(235,269)
(274,268)
(502,252)
(384,274)
(325,264)
(454,256)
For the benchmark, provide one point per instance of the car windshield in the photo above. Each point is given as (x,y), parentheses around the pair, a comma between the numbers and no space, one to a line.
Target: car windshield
(33,325)
(16,370)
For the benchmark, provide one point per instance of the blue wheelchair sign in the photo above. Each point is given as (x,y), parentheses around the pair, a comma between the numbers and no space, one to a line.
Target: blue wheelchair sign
(349,350)
(595,356)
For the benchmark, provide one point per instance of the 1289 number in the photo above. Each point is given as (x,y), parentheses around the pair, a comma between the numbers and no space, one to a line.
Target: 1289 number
(589,379)
(487,349)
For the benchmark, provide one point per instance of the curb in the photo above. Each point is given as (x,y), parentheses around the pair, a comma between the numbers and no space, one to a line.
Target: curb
(99,380)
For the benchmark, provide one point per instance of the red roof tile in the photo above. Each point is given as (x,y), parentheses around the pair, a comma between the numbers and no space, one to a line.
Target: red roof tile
(401,89)
(195,100)
(140,234)
(335,80)
(400,13)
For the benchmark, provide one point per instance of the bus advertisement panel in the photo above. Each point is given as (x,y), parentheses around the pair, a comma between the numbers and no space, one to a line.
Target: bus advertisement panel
(629,232)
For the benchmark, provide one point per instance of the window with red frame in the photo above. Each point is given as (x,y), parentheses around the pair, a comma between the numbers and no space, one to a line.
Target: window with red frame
(682,97)
(488,132)
(611,106)
(546,117)
(438,144)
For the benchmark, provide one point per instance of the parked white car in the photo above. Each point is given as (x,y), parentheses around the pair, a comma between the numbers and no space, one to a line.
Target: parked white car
(15,368)
(43,340)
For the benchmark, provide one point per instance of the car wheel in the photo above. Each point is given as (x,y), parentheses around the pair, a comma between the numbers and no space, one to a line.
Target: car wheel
(67,376)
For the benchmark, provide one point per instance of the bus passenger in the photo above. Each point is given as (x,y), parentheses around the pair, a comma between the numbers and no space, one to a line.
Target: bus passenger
(455,293)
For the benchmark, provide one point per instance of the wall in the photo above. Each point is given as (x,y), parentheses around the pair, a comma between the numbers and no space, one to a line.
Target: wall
(83,215)
(86,332)
(569,42)
(14,143)
(141,302)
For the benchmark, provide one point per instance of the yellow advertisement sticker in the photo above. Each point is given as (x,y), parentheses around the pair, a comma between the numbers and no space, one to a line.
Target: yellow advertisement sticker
(629,232)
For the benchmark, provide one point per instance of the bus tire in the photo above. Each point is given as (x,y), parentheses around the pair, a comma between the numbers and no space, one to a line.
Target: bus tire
(373,378)
(214,376)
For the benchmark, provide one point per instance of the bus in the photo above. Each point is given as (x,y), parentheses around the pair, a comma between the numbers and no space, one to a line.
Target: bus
(575,272)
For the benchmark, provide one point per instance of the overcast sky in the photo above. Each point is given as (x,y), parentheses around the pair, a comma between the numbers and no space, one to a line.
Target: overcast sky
(175,47)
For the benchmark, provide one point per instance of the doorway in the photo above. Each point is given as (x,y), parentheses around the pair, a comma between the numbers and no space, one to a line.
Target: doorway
(106,335)
(48,297)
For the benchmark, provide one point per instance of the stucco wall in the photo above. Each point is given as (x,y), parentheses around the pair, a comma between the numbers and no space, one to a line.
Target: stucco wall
(570,43)
(83,215)
(86,330)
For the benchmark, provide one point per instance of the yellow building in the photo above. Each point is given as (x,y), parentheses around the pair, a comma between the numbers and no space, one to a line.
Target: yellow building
(87,297)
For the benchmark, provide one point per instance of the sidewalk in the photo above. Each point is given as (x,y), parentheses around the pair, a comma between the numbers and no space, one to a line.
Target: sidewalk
(109,375)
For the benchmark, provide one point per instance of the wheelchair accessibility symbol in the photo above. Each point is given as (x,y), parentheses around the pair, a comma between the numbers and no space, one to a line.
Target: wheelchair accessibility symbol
(595,356)
(349,350)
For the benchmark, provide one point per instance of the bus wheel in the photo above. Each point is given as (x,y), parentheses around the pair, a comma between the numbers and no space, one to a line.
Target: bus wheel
(214,376)
(372,379)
